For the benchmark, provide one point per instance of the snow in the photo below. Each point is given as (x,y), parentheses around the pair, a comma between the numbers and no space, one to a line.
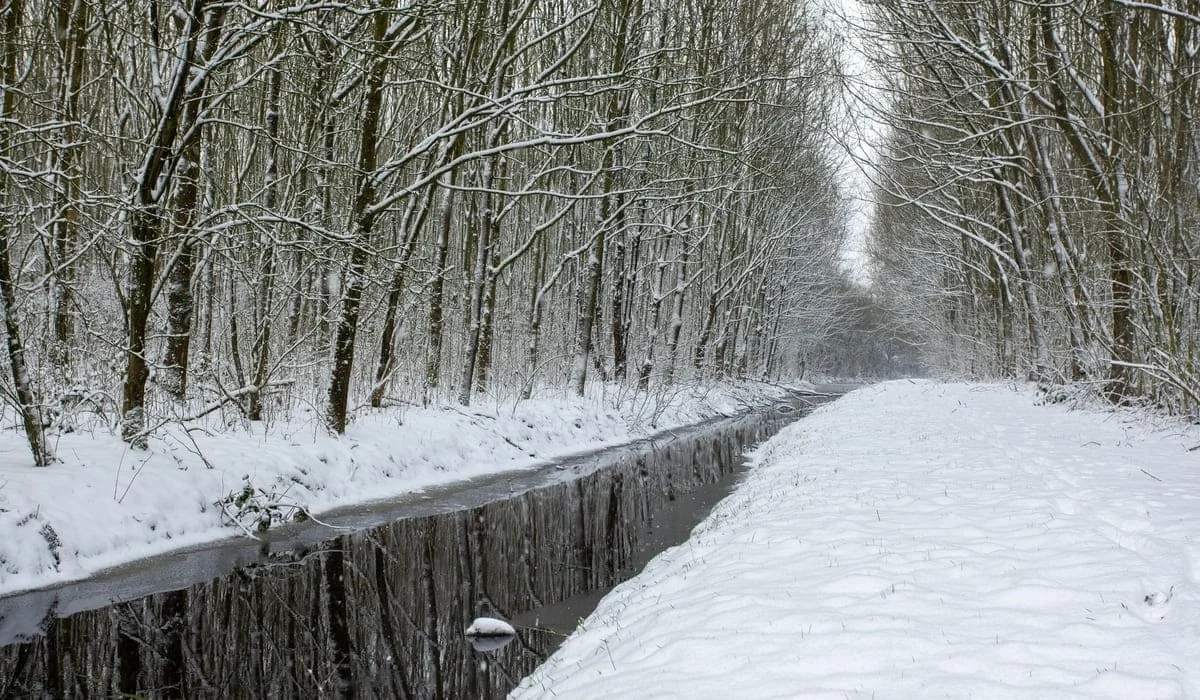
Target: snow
(105,504)
(490,634)
(490,627)
(925,540)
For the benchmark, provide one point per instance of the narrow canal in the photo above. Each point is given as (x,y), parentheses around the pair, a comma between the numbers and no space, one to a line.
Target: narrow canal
(381,611)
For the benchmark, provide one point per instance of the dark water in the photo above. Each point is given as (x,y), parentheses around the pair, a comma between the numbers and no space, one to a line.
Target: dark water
(381,612)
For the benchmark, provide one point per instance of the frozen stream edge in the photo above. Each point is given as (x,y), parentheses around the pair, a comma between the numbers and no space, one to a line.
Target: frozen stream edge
(180,568)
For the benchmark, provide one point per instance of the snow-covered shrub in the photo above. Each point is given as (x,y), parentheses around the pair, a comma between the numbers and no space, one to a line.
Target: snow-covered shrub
(255,509)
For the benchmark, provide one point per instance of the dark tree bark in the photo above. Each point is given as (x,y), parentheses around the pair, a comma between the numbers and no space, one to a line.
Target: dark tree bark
(362,222)
(235,335)
(413,224)
(71,18)
(146,220)
(339,619)
(619,322)
(537,298)
(264,295)
(180,300)
(27,402)
(675,326)
(174,627)
(481,274)
(487,331)
(128,650)
(436,325)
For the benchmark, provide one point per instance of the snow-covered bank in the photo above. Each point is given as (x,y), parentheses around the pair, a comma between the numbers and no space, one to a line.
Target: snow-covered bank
(105,505)
(922,540)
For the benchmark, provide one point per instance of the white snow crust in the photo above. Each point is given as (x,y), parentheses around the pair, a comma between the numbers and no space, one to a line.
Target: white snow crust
(490,627)
(105,504)
(922,540)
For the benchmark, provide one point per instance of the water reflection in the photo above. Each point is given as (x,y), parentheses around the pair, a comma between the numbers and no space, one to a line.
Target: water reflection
(382,612)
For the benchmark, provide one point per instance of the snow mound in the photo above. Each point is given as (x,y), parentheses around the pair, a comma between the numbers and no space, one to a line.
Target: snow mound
(490,627)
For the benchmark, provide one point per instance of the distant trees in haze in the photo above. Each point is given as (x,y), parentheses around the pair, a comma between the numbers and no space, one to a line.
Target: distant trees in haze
(405,200)
(865,339)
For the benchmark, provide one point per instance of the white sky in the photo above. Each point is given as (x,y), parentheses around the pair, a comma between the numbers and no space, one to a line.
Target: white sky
(845,19)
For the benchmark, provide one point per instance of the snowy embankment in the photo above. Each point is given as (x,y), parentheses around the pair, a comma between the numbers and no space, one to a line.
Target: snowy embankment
(105,505)
(922,540)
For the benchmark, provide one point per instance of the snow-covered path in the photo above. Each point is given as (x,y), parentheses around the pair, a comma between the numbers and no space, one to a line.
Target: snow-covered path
(922,540)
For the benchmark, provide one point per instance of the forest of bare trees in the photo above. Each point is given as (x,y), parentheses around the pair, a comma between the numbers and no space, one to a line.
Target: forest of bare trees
(208,203)
(1039,192)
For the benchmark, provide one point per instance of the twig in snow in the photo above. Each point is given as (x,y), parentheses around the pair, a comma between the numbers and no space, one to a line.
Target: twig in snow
(131,480)
(196,451)
(610,658)
(233,397)
(1151,475)
(235,521)
(310,516)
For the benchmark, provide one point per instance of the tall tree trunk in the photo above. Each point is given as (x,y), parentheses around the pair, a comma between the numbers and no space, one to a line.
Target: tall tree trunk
(180,301)
(362,220)
(1006,350)
(616,115)
(619,312)
(324,270)
(1105,172)
(1075,305)
(647,364)
(675,328)
(71,18)
(537,297)
(146,219)
(1117,96)
(1033,309)
(589,306)
(706,332)
(235,335)
(480,276)
(436,324)
(414,222)
(487,331)
(27,403)
(144,230)
(264,295)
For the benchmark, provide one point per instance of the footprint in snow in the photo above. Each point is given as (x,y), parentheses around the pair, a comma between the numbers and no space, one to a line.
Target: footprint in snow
(1155,606)
(1159,597)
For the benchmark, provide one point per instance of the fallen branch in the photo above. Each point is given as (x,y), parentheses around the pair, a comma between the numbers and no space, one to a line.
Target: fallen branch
(230,397)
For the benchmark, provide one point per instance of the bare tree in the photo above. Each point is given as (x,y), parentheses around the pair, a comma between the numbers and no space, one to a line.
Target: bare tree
(12,13)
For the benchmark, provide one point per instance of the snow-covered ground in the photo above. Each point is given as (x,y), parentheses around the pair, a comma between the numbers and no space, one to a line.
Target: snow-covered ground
(920,540)
(105,505)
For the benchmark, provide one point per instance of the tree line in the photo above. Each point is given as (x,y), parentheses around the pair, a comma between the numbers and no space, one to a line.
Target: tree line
(1039,189)
(206,202)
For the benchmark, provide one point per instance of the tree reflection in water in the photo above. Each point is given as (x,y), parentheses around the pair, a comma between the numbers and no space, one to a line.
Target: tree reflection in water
(382,612)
